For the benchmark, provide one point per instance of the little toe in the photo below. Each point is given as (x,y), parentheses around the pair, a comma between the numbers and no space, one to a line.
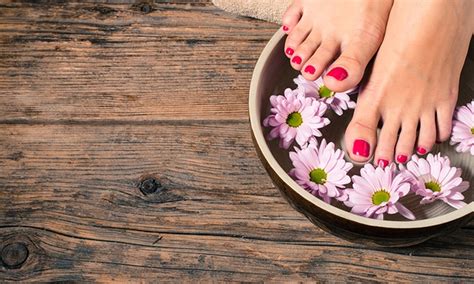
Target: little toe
(361,133)
(406,141)
(444,118)
(296,37)
(320,60)
(386,142)
(427,135)
(291,17)
(305,50)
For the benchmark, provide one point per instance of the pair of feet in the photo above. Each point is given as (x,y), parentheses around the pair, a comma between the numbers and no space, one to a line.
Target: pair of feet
(412,88)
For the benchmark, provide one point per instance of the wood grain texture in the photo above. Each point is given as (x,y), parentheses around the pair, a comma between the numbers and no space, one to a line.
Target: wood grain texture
(96,98)
(80,62)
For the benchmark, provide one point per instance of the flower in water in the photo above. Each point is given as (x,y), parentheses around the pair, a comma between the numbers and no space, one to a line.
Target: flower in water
(377,191)
(321,170)
(463,129)
(316,89)
(435,179)
(295,117)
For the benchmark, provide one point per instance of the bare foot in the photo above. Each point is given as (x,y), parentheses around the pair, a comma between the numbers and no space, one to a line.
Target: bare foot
(414,82)
(341,36)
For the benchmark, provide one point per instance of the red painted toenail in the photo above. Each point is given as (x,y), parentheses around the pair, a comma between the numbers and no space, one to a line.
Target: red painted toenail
(338,73)
(361,148)
(296,60)
(420,150)
(285,28)
(290,51)
(310,69)
(382,163)
(402,159)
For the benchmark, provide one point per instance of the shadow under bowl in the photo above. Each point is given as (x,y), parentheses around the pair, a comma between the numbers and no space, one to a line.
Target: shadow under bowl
(272,75)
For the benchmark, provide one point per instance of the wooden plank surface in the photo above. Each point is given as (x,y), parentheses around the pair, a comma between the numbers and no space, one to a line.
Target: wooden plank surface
(117,63)
(100,103)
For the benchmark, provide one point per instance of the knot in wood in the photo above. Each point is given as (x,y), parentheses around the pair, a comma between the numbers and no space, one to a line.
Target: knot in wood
(14,255)
(149,186)
(146,8)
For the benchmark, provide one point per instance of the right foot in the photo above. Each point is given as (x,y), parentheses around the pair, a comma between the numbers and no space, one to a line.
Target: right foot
(340,36)
(413,86)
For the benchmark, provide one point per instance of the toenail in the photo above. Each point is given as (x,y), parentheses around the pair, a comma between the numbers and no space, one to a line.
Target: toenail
(338,73)
(361,148)
(296,60)
(420,150)
(310,69)
(382,163)
(402,159)
(290,51)
(285,28)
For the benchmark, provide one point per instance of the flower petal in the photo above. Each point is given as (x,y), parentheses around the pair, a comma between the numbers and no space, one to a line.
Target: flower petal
(405,212)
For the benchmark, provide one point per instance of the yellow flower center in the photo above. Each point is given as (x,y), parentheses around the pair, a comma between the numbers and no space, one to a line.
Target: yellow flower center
(433,186)
(294,119)
(380,196)
(472,131)
(318,176)
(325,92)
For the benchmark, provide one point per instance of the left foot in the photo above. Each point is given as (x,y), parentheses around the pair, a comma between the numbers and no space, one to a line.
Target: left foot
(414,82)
(340,36)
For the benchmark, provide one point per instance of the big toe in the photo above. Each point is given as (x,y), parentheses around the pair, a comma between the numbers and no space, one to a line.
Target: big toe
(361,133)
(347,71)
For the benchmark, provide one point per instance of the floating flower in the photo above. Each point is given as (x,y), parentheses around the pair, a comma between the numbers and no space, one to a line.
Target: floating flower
(463,129)
(321,170)
(295,117)
(316,89)
(435,179)
(377,191)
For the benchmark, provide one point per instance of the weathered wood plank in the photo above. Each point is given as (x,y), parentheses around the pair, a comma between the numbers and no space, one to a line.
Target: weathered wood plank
(58,256)
(89,62)
(72,190)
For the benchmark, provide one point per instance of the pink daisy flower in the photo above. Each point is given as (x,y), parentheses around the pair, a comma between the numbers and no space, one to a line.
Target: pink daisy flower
(463,129)
(295,117)
(377,191)
(316,89)
(435,179)
(321,170)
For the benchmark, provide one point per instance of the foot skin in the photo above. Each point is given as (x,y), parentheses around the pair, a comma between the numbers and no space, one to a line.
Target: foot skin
(413,87)
(340,36)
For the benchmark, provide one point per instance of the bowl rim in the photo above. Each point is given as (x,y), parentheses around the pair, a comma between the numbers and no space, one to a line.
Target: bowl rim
(256,127)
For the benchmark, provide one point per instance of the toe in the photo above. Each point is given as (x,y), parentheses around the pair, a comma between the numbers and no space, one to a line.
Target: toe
(296,37)
(305,51)
(291,17)
(320,60)
(444,117)
(360,137)
(386,142)
(347,71)
(427,135)
(406,141)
